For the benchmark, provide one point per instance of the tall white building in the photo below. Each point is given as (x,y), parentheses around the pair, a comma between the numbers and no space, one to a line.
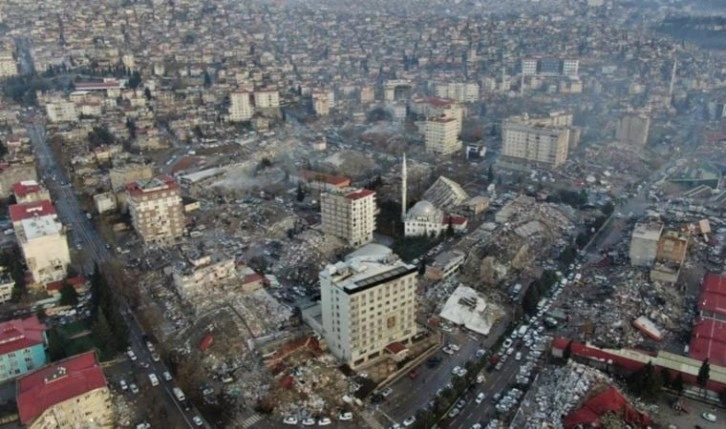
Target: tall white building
(633,129)
(458,91)
(368,306)
(570,67)
(536,142)
(267,99)
(42,240)
(241,108)
(61,111)
(321,103)
(349,214)
(8,65)
(442,135)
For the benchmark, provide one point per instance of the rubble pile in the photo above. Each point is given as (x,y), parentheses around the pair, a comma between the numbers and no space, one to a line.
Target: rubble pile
(261,312)
(311,249)
(557,391)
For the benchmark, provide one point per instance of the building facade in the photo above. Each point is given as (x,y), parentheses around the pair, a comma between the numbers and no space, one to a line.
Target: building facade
(442,136)
(644,243)
(156,208)
(349,214)
(28,191)
(22,347)
(241,108)
(267,99)
(539,144)
(8,65)
(6,285)
(61,111)
(633,129)
(42,239)
(71,393)
(368,307)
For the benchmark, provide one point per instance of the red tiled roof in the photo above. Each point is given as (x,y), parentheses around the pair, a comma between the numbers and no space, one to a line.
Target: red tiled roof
(21,189)
(455,220)
(609,400)
(314,176)
(252,278)
(713,294)
(395,348)
(24,211)
(359,194)
(56,383)
(709,341)
(20,334)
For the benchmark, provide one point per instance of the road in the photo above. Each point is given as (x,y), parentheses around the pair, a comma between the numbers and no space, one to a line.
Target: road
(70,214)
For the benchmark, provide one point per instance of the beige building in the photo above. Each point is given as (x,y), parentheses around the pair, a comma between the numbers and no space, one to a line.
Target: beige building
(367,95)
(61,111)
(156,209)
(368,306)
(267,99)
(349,214)
(458,91)
(527,141)
(633,129)
(644,243)
(321,103)
(71,393)
(122,175)
(8,65)
(241,108)
(442,135)
(199,274)
(42,240)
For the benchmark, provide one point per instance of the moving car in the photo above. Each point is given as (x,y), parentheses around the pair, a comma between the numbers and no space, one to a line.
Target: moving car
(198,421)
(518,356)
(131,355)
(166,375)
(480,398)
(134,388)
(122,384)
(153,379)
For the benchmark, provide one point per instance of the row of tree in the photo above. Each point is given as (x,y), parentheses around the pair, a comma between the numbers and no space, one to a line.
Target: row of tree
(108,328)
(537,290)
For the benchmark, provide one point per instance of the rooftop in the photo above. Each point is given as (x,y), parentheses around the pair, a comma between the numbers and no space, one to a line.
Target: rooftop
(365,271)
(154,184)
(56,383)
(361,193)
(20,334)
(41,226)
(21,189)
(18,212)
(648,230)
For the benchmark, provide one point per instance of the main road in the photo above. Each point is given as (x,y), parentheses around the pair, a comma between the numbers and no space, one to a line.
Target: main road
(71,215)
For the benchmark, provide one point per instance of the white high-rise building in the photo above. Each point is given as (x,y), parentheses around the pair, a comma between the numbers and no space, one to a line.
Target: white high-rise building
(349,214)
(368,306)
(570,67)
(321,103)
(539,140)
(241,108)
(458,91)
(42,239)
(8,65)
(61,111)
(267,99)
(442,135)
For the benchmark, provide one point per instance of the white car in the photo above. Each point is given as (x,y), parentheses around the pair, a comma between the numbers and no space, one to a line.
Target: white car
(454,347)
(290,420)
(409,421)
(166,375)
(448,350)
(134,388)
(123,385)
(198,421)
(507,343)
(131,355)
(386,392)
(345,416)
(480,398)
(456,370)
(308,421)
(324,421)
(153,379)
(709,417)
(476,426)
(518,356)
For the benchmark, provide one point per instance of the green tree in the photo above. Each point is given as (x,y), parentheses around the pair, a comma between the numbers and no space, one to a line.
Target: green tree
(131,126)
(490,174)
(69,295)
(704,373)
(567,353)
(147,94)
(207,79)
(678,383)
(134,80)
(103,336)
(666,379)
(450,228)
(300,192)
(582,239)
(56,345)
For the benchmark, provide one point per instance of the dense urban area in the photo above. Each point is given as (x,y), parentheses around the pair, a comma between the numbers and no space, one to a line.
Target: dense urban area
(456,214)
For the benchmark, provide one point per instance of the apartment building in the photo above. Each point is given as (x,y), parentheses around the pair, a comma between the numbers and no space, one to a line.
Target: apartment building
(241,108)
(267,99)
(644,243)
(442,136)
(523,141)
(6,285)
(461,92)
(42,239)
(349,214)
(633,129)
(550,67)
(71,393)
(198,274)
(61,111)
(22,347)
(321,103)
(28,191)
(368,305)
(156,209)
(367,95)
(121,175)
(8,65)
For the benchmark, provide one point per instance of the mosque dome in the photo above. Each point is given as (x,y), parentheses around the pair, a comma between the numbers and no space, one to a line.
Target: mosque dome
(423,209)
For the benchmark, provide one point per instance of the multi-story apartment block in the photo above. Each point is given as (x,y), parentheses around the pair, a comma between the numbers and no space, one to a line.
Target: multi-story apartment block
(202,273)
(321,103)
(570,67)
(42,239)
(8,65)
(550,67)
(61,111)
(458,91)
(241,108)
(267,99)
(368,307)
(442,135)
(71,393)
(644,243)
(633,129)
(6,285)
(529,66)
(528,141)
(29,191)
(367,95)
(22,347)
(349,214)
(156,209)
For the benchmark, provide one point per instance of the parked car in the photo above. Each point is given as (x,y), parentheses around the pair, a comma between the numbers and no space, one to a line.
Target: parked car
(409,421)
(480,398)
(709,417)
(309,421)
(131,355)
(122,384)
(134,388)
(386,392)
(345,416)
(198,421)
(324,421)
(166,375)
(290,420)
(507,343)
(453,413)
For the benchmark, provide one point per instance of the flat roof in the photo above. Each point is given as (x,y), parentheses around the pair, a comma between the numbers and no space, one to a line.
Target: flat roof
(648,230)
(40,227)
(357,275)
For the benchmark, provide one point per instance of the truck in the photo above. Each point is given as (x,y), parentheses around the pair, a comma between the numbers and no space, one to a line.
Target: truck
(178,394)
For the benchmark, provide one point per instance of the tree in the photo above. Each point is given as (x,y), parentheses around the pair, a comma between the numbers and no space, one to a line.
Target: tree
(300,192)
(567,353)
(69,295)
(103,336)
(666,379)
(678,383)
(582,239)
(131,126)
(56,345)
(207,79)
(3,150)
(490,174)
(704,373)
(450,228)
(147,94)
(134,80)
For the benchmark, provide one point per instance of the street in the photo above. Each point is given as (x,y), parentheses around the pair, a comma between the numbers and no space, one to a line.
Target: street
(70,214)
